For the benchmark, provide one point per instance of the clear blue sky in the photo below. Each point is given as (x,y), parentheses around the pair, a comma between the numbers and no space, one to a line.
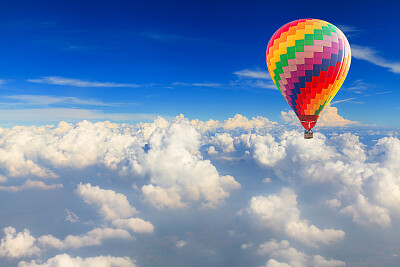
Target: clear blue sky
(138,59)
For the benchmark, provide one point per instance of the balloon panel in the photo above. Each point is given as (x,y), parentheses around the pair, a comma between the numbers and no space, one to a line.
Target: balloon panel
(308,60)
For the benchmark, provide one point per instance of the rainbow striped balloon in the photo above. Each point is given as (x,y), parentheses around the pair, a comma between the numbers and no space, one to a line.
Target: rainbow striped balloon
(308,60)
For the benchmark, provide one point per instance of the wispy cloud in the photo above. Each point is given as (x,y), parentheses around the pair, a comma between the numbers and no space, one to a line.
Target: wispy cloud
(203,84)
(358,86)
(69,115)
(344,100)
(253,78)
(349,30)
(371,55)
(79,83)
(253,74)
(45,100)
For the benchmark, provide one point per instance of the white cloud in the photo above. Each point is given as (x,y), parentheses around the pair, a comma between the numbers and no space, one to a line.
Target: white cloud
(328,118)
(283,251)
(178,172)
(223,141)
(333,203)
(292,257)
(173,159)
(275,263)
(17,245)
(290,117)
(162,198)
(111,205)
(30,184)
(211,151)
(237,123)
(135,225)
(181,243)
(94,237)
(365,213)
(71,217)
(115,207)
(266,151)
(280,213)
(331,118)
(65,260)
(246,246)
(320,261)
(371,55)
(79,83)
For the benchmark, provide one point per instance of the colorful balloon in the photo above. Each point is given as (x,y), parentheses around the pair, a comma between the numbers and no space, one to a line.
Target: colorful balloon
(308,60)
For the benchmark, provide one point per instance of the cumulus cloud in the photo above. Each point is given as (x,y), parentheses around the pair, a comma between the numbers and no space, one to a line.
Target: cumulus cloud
(291,256)
(111,205)
(178,172)
(172,160)
(114,207)
(333,203)
(238,122)
(17,245)
(135,225)
(71,217)
(94,237)
(64,260)
(365,213)
(328,118)
(30,184)
(223,141)
(162,198)
(280,213)
(331,118)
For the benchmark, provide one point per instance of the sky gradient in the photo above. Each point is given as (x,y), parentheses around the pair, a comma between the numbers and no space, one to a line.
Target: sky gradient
(136,60)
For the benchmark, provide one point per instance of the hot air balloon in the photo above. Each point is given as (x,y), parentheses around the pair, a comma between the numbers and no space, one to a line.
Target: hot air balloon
(308,60)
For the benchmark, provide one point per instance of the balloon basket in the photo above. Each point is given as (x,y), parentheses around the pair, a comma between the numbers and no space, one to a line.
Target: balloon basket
(308,134)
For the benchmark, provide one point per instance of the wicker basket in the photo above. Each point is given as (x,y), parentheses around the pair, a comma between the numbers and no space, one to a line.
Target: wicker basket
(308,135)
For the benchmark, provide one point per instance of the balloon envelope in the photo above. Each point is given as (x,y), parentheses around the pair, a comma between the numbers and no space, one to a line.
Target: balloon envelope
(308,60)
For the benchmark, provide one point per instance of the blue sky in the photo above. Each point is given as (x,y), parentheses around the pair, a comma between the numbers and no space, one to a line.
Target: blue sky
(98,167)
(179,57)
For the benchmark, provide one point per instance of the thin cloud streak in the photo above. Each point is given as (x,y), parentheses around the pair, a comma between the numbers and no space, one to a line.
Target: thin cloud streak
(343,100)
(79,83)
(372,56)
(254,79)
(254,74)
(349,30)
(44,100)
(203,84)
(69,115)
